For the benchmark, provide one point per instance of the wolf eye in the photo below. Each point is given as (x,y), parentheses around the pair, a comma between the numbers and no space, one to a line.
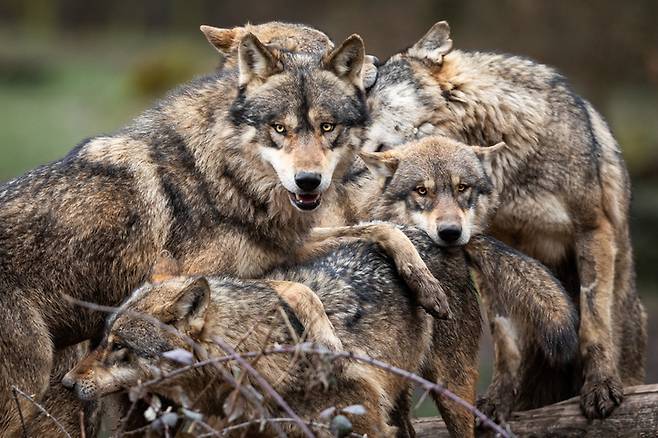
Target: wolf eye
(327,127)
(421,190)
(461,187)
(117,346)
(280,129)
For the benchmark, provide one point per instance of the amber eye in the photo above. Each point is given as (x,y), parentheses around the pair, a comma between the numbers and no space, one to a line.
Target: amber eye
(421,190)
(461,187)
(280,129)
(327,127)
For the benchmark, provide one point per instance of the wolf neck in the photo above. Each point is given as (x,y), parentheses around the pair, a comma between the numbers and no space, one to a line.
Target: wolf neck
(485,105)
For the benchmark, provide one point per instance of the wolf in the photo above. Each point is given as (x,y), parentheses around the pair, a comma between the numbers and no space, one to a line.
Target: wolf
(227,174)
(291,37)
(562,186)
(367,304)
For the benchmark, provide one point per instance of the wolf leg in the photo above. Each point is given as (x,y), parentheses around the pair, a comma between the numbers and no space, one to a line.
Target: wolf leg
(500,398)
(310,311)
(27,358)
(411,267)
(602,387)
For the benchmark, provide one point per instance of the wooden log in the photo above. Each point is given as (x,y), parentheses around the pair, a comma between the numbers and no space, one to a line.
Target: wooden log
(636,417)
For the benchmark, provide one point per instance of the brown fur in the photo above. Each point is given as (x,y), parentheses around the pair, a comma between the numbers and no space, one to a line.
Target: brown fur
(439,350)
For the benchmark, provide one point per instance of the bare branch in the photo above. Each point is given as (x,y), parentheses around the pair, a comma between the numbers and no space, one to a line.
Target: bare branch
(40,408)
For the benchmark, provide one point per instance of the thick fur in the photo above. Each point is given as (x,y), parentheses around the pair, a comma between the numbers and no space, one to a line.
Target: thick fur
(561,185)
(368,306)
(203,175)
(435,181)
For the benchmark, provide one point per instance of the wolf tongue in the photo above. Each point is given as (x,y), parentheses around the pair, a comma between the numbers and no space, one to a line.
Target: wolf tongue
(307,197)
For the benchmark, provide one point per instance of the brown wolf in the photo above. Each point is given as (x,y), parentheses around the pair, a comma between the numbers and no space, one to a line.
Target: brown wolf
(366,303)
(444,187)
(562,185)
(227,174)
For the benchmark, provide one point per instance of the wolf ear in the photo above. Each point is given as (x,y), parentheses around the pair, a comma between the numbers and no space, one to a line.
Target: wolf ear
(346,61)
(224,40)
(192,302)
(487,153)
(255,60)
(434,44)
(381,164)
(165,268)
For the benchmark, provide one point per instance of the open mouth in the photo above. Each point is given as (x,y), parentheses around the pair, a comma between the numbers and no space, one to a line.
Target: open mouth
(305,201)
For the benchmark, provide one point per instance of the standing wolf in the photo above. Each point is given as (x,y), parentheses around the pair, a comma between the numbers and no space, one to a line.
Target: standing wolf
(227,174)
(562,187)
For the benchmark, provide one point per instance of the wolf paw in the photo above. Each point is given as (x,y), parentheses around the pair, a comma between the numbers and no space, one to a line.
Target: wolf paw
(429,291)
(495,408)
(600,396)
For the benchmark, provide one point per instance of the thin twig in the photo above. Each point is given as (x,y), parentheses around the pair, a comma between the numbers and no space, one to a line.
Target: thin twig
(265,385)
(20,412)
(42,409)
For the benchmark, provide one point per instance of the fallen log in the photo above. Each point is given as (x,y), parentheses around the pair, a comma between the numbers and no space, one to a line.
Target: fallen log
(636,417)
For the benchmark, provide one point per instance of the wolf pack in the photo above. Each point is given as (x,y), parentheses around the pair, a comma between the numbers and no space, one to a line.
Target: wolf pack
(307,194)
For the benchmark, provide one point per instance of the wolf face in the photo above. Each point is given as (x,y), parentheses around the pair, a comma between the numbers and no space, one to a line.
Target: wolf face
(132,350)
(404,105)
(438,185)
(302,111)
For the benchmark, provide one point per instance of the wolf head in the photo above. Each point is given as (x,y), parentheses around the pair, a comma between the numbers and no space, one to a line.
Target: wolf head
(409,100)
(438,185)
(302,112)
(147,325)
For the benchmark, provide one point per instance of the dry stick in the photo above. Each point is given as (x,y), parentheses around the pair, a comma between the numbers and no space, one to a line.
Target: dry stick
(20,412)
(41,408)
(265,385)
(225,374)
(425,384)
(83,433)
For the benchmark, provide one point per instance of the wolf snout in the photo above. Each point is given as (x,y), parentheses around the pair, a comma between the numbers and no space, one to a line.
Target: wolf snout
(449,233)
(68,381)
(308,181)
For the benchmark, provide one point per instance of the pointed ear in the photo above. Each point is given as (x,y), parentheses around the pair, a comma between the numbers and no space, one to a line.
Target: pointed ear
(165,268)
(369,71)
(434,44)
(346,61)
(381,164)
(192,302)
(255,60)
(224,40)
(487,153)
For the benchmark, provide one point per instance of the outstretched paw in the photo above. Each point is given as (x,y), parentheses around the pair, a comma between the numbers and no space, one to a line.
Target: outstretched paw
(600,396)
(429,291)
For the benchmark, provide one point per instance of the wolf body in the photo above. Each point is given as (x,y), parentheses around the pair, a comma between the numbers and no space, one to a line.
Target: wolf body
(216,174)
(368,305)
(561,185)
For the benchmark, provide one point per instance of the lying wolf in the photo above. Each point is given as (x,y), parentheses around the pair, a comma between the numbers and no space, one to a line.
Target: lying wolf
(227,174)
(562,187)
(442,186)
(367,304)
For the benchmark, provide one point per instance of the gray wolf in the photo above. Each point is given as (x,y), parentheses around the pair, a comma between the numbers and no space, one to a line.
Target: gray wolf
(227,174)
(367,304)
(562,187)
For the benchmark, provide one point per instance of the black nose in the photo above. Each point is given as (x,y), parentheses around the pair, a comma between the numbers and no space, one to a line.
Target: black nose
(308,181)
(450,233)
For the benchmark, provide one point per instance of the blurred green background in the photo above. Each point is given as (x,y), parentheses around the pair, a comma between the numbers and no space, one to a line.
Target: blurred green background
(70,69)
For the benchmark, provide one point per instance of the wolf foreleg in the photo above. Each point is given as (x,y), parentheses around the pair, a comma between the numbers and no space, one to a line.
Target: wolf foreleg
(398,246)
(602,387)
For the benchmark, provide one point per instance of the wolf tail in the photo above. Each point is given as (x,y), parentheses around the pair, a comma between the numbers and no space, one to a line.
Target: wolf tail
(535,300)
